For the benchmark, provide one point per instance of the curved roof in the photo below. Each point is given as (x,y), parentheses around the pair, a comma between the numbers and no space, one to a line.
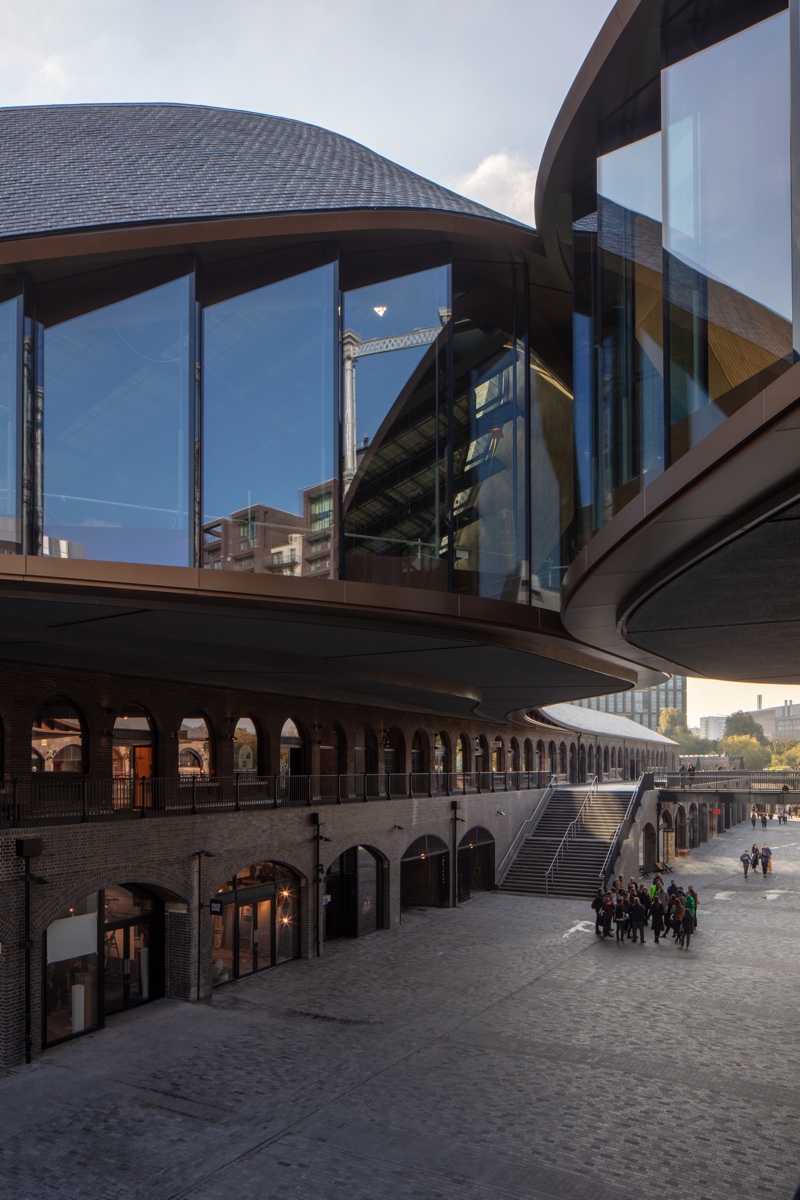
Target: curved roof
(79,166)
(588,720)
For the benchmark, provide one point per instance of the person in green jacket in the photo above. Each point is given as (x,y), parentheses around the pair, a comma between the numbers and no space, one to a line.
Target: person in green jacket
(691,905)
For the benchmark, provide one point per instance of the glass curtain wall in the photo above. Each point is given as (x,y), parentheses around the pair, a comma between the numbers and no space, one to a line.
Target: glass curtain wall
(268,419)
(394,430)
(10,387)
(117,422)
(631,320)
(727,230)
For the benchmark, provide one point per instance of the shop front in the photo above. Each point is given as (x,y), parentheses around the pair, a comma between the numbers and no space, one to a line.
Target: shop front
(255,922)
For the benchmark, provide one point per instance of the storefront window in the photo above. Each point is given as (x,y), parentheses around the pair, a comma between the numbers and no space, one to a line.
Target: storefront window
(72,974)
(727,229)
(245,746)
(268,421)
(57,738)
(393,466)
(257,922)
(117,405)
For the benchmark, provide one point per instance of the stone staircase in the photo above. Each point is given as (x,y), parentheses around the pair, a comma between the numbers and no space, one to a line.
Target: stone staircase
(579,868)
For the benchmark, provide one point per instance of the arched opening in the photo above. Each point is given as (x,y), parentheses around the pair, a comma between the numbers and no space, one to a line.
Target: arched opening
(590,761)
(293,779)
(441,762)
(332,754)
(605,760)
(354,893)
(195,746)
(528,759)
(482,761)
(365,752)
(394,754)
(498,755)
(573,764)
(541,757)
(463,759)
(681,843)
(103,954)
(562,759)
(551,758)
(667,836)
(247,749)
(255,921)
(693,827)
(57,738)
(133,755)
(512,755)
(425,873)
(475,862)
(420,766)
(648,848)
(703,822)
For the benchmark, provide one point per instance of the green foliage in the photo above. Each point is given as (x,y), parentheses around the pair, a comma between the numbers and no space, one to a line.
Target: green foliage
(672,723)
(744,725)
(785,755)
(756,757)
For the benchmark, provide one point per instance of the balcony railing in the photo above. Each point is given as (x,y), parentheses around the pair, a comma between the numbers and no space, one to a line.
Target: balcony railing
(63,799)
(728,781)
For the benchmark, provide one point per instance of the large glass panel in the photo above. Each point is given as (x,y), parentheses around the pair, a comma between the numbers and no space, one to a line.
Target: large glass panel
(268,419)
(245,746)
(264,914)
(9,403)
(368,899)
(727,225)
(116,428)
(489,451)
(71,982)
(194,746)
(222,944)
(287,923)
(584,371)
(630,418)
(395,430)
(552,484)
(246,939)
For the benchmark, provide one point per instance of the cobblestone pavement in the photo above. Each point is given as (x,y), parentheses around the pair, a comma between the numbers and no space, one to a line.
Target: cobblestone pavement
(493,1052)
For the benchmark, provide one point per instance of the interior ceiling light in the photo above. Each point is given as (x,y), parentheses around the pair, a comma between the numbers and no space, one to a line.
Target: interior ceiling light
(380,309)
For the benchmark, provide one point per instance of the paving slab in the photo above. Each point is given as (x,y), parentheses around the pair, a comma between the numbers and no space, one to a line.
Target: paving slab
(498,1051)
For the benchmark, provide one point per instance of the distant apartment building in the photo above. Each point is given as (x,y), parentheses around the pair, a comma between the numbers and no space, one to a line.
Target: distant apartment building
(642,704)
(713,728)
(275,542)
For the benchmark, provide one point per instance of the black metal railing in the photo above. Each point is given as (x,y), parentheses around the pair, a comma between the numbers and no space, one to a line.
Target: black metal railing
(57,799)
(728,781)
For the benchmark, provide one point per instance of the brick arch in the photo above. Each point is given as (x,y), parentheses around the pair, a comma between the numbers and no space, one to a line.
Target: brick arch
(172,884)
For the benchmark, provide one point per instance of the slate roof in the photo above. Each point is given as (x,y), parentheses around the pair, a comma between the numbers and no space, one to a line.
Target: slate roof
(79,166)
(571,716)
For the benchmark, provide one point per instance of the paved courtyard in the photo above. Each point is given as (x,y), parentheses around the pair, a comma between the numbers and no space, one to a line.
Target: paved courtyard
(499,1050)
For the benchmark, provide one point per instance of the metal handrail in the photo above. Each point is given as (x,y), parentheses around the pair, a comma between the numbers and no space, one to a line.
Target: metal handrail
(571,830)
(619,837)
(526,828)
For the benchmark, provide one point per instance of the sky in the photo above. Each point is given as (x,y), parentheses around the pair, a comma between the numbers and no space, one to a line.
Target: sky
(462,91)
(716,697)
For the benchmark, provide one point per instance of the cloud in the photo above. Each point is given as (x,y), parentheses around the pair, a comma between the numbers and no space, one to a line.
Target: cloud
(505,181)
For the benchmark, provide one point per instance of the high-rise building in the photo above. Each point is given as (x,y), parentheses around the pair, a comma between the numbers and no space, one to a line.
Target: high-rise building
(642,704)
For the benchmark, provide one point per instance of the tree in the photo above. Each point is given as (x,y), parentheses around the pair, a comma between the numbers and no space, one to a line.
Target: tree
(744,725)
(672,723)
(756,757)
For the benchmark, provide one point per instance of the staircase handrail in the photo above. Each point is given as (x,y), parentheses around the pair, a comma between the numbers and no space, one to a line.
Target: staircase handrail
(571,831)
(527,827)
(626,824)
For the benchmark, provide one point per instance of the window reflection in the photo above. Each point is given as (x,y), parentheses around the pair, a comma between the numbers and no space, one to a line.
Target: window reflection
(727,225)
(57,738)
(268,426)
(194,746)
(552,483)
(245,745)
(9,399)
(258,925)
(116,412)
(72,973)
(395,430)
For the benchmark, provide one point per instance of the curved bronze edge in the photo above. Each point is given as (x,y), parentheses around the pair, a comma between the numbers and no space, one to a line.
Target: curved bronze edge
(730,481)
(452,616)
(579,94)
(113,239)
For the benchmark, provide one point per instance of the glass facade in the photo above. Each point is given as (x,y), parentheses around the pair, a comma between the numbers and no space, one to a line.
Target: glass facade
(117,417)
(10,385)
(255,922)
(683,275)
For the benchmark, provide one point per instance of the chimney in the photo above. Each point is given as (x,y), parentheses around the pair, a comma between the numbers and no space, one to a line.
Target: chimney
(758,702)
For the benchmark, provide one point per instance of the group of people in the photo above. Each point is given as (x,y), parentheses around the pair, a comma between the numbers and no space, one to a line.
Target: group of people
(628,911)
(752,857)
(758,815)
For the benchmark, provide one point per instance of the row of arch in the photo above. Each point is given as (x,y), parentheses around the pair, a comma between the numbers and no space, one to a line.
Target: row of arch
(59,744)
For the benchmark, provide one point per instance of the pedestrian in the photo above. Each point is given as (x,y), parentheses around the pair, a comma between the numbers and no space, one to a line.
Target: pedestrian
(637,918)
(597,905)
(608,914)
(696,900)
(621,919)
(682,773)
(763,820)
(753,818)
(690,773)
(657,919)
(672,890)
(691,905)
(686,929)
(755,858)
(744,859)
(766,859)
(678,913)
